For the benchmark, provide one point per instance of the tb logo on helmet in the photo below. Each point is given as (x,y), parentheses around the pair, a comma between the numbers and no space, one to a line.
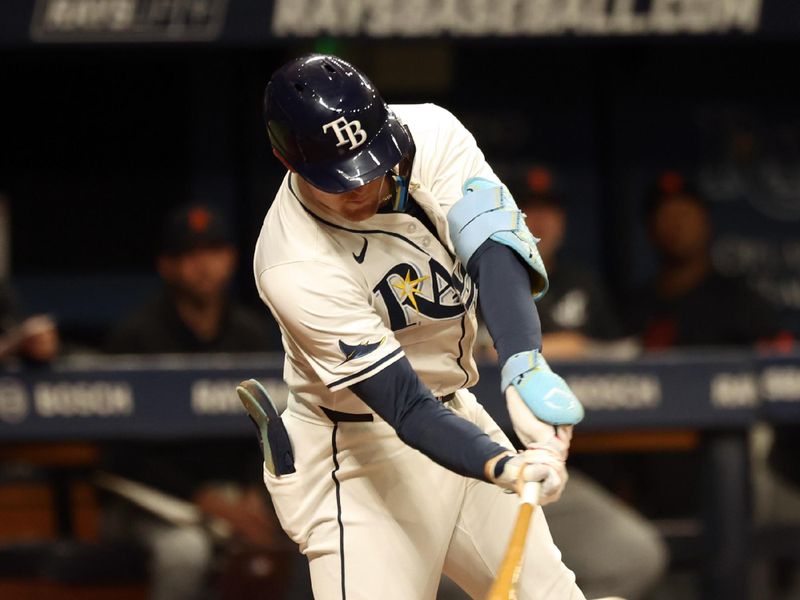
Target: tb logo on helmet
(352,129)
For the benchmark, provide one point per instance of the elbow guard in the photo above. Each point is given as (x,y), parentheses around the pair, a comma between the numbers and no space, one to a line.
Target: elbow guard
(488,211)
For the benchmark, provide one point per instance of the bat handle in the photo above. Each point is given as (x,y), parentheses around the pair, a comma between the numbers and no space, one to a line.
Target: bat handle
(530,493)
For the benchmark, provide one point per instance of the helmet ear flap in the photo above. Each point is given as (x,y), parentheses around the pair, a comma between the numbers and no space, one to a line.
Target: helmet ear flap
(399,192)
(284,162)
(401,175)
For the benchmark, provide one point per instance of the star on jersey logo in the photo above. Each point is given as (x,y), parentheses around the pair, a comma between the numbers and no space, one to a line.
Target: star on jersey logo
(359,350)
(410,288)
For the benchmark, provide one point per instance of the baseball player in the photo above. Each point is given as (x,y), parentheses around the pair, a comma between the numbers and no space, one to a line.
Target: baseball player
(385,230)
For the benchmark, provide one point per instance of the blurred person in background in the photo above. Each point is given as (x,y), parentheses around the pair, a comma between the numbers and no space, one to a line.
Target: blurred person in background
(688,302)
(577,314)
(578,320)
(194,313)
(33,339)
(776,472)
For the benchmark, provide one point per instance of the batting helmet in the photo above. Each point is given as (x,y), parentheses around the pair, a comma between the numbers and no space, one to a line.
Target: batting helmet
(327,121)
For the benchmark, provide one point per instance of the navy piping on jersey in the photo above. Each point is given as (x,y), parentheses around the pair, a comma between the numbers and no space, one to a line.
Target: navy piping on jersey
(413,209)
(461,348)
(359,231)
(400,237)
(336,483)
(366,369)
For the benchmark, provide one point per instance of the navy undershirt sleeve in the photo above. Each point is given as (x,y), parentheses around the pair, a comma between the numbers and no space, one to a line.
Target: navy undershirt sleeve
(504,287)
(401,399)
(504,297)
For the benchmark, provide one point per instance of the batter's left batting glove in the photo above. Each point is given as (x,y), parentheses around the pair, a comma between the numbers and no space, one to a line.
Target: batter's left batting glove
(512,471)
(543,409)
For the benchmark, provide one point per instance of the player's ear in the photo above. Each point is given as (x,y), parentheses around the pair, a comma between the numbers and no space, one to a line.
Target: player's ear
(283,161)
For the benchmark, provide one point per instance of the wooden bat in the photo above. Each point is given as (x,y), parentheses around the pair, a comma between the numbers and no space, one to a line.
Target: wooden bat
(171,509)
(503,586)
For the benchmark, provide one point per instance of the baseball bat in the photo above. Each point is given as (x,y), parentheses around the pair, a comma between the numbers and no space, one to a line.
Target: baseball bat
(503,586)
(169,508)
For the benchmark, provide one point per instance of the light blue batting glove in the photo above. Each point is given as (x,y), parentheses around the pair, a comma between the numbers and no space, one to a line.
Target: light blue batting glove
(543,411)
(545,393)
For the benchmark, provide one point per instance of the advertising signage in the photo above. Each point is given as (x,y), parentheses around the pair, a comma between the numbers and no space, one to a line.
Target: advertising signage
(262,22)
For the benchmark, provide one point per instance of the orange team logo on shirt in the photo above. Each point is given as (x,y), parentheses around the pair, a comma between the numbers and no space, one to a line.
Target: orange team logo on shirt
(199,219)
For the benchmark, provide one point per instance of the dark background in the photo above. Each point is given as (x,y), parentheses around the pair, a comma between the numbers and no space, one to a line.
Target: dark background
(99,140)
(101,134)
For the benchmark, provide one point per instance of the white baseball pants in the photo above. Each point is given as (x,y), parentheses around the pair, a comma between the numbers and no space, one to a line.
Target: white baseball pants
(378,520)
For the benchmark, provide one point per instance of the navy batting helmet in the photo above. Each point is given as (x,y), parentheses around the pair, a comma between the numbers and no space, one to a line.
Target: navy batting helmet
(327,121)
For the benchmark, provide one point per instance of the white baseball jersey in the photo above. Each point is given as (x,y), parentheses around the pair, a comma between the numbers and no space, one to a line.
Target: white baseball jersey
(353,297)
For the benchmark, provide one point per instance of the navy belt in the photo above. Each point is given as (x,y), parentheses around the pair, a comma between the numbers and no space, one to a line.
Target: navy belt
(342,417)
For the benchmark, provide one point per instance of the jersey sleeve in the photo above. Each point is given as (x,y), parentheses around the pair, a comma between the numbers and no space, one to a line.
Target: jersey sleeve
(450,158)
(326,313)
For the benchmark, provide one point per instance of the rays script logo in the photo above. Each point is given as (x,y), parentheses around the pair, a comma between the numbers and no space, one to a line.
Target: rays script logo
(438,294)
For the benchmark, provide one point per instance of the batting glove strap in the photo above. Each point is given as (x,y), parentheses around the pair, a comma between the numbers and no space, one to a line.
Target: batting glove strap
(500,465)
(545,393)
(519,364)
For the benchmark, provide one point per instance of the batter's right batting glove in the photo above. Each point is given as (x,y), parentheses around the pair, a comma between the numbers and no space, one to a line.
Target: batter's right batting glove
(542,408)
(543,411)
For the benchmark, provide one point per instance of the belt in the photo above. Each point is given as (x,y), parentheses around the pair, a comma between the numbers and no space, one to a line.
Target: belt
(343,417)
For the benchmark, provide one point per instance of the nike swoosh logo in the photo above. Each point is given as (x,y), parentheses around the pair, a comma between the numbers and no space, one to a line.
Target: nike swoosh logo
(360,256)
(353,352)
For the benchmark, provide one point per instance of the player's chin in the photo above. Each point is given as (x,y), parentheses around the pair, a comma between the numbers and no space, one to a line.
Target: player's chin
(360,212)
